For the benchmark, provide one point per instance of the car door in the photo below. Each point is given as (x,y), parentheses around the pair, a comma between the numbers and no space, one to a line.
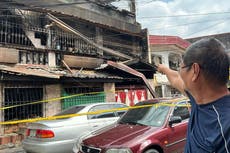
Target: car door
(102,117)
(177,131)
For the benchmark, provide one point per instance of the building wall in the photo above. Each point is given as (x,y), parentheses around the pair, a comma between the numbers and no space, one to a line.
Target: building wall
(95,13)
(169,54)
(109,89)
(8,55)
(51,92)
(1,112)
(224,38)
(38,45)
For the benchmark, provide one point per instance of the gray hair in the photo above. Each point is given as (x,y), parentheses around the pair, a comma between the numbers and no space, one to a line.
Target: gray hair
(211,55)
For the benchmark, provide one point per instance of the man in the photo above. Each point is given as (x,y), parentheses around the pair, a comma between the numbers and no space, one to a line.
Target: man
(203,77)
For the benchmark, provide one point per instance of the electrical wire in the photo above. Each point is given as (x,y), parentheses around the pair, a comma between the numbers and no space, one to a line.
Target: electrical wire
(204,29)
(139,18)
(185,24)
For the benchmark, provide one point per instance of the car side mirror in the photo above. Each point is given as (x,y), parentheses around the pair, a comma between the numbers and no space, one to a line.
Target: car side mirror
(174,119)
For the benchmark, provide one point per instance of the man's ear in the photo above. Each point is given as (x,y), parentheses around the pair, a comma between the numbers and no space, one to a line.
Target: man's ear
(196,71)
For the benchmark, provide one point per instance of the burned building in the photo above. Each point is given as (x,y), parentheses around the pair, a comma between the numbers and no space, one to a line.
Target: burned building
(50,49)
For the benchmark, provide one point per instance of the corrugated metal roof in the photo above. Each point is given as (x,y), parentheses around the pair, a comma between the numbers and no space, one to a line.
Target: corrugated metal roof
(56,73)
(93,75)
(32,70)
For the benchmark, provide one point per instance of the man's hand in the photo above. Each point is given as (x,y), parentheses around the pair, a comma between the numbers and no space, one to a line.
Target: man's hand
(162,68)
(173,77)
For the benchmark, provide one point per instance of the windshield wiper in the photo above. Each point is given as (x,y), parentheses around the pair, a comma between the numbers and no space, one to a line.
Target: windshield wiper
(132,123)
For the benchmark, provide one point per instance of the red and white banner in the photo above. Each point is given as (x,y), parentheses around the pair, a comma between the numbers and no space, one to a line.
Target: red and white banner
(131,97)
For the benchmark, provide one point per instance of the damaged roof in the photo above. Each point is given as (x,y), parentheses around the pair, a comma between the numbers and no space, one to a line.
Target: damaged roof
(143,67)
(54,73)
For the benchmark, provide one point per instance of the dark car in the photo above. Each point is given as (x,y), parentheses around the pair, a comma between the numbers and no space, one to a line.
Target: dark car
(154,127)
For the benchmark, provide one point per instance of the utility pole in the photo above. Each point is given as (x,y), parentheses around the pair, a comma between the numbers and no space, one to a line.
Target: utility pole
(132,6)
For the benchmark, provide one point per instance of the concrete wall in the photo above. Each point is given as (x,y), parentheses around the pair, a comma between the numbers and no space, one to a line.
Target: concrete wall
(109,89)
(166,52)
(92,12)
(51,59)
(53,107)
(8,55)
(1,111)
(224,38)
(80,61)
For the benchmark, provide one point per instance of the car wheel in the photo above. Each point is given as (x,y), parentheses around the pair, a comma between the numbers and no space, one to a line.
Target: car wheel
(151,151)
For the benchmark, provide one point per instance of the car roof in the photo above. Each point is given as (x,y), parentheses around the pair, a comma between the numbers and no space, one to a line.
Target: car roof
(157,100)
(99,103)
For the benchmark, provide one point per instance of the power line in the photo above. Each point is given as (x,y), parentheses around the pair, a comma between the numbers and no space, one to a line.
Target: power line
(213,25)
(184,24)
(183,15)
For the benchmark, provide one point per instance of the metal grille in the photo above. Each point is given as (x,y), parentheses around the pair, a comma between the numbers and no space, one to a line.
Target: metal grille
(87,149)
(12,33)
(20,96)
(88,97)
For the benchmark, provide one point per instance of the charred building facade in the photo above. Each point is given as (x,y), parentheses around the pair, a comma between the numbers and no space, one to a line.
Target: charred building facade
(51,49)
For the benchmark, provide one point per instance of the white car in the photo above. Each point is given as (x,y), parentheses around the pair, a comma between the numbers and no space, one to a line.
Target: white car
(58,136)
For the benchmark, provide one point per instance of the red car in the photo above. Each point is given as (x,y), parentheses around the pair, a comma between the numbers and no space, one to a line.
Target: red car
(157,128)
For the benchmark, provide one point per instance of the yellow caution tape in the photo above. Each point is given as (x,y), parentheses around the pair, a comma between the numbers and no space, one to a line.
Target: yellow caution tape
(169,103)
(49,100)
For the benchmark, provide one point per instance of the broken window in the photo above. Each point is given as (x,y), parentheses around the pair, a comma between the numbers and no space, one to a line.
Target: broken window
(156,59)
(58,59)
(19,97)
(174,61)
(158,90)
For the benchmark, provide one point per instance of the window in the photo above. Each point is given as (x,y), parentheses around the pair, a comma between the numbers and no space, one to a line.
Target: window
(71,110)
(102,114)
(181,111)
(158,90)
(20,97)
(119,112)
(156,59)
(150,116)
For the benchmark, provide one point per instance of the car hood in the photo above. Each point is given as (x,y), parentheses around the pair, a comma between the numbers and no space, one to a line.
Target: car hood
(121,134)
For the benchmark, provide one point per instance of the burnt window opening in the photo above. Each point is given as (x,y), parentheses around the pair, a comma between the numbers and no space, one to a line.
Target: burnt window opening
(174,61)
(156,59)
(158,90)
(58,59)
(21,96)
(42,37)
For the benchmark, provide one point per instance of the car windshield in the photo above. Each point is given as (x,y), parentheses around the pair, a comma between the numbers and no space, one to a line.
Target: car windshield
(71,110)
(148,116)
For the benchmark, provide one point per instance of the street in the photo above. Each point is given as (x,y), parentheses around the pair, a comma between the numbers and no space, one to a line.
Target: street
(16,149)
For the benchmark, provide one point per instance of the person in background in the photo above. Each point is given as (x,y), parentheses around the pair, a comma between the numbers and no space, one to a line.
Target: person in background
(203,77)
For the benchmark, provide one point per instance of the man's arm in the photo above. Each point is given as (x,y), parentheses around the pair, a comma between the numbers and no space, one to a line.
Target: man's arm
(173,77)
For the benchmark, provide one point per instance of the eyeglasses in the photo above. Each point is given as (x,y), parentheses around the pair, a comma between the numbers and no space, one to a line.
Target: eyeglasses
(185,66)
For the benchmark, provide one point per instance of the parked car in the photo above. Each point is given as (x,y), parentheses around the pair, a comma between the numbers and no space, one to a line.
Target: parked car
(58,136)
(149,129)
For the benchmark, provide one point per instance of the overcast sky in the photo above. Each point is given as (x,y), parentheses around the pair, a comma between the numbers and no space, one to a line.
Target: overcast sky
(184,18)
